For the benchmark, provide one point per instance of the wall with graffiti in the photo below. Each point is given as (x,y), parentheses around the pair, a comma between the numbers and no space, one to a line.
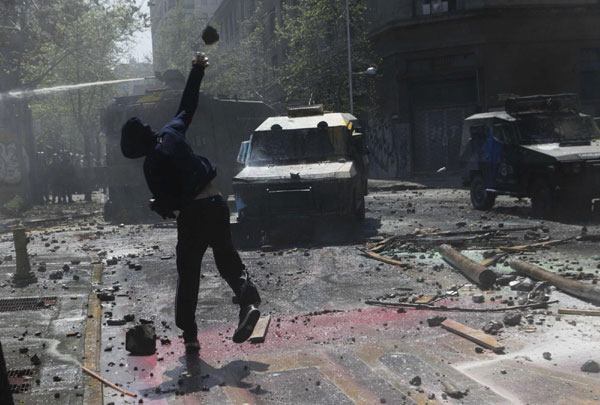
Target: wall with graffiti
(11,171)
(389,146)
(14,165)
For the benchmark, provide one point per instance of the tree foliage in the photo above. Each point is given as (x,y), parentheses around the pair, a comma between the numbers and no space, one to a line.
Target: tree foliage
(178,38)
(67,42)
(308,43)
(315,67)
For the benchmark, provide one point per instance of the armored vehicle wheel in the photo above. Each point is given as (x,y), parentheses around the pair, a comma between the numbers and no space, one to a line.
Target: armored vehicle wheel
(542,200)
(480,198)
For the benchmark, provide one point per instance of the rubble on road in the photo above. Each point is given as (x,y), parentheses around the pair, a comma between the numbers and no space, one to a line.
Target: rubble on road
(590,366)
(141,340)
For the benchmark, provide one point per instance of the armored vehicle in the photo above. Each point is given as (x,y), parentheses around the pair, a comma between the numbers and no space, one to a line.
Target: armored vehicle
(540,147)
(308,163)
(217,129)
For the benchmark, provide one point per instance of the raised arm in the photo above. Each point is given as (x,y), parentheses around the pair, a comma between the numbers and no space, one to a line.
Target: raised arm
(189,99)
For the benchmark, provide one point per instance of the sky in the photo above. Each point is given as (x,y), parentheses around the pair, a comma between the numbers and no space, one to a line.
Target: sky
(142,42)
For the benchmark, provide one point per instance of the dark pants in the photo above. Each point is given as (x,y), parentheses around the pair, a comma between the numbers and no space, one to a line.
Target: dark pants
(201,224)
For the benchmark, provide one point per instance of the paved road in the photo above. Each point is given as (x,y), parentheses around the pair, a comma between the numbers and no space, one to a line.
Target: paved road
(324,344)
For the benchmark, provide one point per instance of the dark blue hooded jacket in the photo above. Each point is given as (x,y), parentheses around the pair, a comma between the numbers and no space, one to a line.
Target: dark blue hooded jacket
(174,173)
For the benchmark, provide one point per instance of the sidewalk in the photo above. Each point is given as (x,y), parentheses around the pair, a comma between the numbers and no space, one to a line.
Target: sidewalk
(43,325)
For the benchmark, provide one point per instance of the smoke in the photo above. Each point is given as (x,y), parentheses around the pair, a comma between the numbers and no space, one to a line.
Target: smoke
(50,90)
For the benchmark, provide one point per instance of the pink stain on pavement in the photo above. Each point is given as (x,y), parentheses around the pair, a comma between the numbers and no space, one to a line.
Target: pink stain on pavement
(285,333)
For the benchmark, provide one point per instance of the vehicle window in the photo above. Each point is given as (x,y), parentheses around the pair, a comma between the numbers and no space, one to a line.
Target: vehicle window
(303,145)
(478,137)
(505,133)
(547,128)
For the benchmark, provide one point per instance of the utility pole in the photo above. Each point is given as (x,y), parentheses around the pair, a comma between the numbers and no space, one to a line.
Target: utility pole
(349,57)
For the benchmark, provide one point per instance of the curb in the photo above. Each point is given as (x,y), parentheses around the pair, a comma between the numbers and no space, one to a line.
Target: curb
(91,356)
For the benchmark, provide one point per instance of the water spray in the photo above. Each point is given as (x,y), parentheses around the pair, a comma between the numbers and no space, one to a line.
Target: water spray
(68,87)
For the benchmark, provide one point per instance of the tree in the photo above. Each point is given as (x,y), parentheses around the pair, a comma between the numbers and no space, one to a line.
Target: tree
(313,35)
(177,39)
(238,69)
(69,42)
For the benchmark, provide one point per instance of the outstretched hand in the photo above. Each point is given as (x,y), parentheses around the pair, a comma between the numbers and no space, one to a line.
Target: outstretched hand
(200,59)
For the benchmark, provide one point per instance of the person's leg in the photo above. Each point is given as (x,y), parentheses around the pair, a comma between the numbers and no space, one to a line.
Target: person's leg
(190,250)
(232,269)
(227,259)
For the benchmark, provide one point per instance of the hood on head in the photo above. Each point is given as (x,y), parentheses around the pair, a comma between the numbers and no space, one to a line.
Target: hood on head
(137,138)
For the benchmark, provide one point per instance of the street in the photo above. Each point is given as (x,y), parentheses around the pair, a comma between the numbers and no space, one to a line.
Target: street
(326,342)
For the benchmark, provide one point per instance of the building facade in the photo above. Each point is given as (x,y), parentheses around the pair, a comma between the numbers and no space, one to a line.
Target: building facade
(445,60)
(229,16)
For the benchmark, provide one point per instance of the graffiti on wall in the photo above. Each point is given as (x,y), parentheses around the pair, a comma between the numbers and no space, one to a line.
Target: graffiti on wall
(388,144)
(11,171)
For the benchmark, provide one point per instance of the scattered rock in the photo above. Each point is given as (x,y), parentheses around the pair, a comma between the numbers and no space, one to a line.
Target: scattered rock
(513,319)
(56,275)
(547,355)
(129,317)
(416,381)
(435,320)
(66,267)
(35,360)
(478,298)
(141,340)
(505,279)
(115,322)
(105,296)
(42,269)
(590,366)
(493,327)
(478,349)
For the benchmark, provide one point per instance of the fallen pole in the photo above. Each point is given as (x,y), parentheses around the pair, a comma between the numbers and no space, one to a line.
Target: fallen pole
(458,309)
(106,382)
(576,288)
(474,271)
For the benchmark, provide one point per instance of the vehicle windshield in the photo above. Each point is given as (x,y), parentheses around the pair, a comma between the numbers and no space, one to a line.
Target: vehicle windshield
(541,128)
(298,146)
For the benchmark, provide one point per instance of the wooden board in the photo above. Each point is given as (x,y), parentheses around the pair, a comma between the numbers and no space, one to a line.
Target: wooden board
(386,259)
(588,312)
(492,260)
(260,330)
(425,299)
(476,336)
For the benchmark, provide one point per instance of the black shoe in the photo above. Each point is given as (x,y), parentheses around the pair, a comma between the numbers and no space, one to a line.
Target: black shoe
(190,342)
(248,317)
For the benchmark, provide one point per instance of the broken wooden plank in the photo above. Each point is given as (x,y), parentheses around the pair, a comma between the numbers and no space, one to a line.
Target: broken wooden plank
(473,335)
(520,248)
(425,299)
(571,311)
(492,260)
(106,382)
(387,260)
(260,330)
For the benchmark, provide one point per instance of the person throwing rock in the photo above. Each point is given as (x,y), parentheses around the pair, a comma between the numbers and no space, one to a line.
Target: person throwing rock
(180,180)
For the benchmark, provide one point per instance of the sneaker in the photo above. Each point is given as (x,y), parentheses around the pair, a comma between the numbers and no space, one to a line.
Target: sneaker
(248,317)
(191,343)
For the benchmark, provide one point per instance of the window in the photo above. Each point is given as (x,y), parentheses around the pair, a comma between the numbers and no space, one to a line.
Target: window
(505,133)
(429,7)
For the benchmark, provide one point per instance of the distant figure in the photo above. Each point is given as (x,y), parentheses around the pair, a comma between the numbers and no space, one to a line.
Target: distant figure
(181,181)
